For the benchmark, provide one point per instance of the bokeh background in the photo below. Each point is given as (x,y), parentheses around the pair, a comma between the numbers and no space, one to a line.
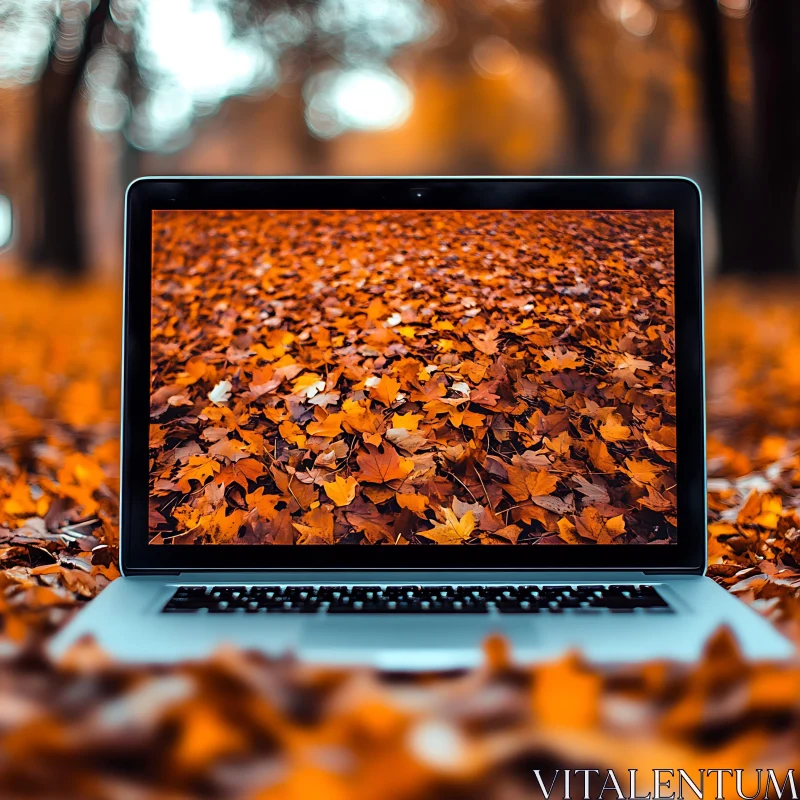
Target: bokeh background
(95,94)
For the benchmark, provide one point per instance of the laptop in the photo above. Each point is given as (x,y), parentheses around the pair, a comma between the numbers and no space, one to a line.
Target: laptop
(377,420)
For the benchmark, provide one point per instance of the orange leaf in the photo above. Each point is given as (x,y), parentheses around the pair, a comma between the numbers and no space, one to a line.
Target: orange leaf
(416,503)
(612,430)
(382,464)
(342,490)
(541,483)
(385,391)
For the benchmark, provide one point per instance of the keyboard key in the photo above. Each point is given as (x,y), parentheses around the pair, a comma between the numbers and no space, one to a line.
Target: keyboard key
(413,599)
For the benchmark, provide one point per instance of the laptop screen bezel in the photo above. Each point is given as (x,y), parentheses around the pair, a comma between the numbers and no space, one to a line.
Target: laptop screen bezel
(680,195)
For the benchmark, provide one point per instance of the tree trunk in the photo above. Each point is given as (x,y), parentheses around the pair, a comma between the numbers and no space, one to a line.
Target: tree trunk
(775,28)
(58,241)
(727,179)
(581,118)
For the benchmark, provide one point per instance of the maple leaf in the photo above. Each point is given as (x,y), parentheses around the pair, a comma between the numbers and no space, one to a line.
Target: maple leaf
(195,369)
(222,527)
(416,503)
(509,533)
(486,342)
(308,385)
(383,464)
(220,393)
(613,429)
(656,501)
(232,449)
(263,503)
(629,363)
(365,518)
(557,505)
(316,528)
(453,530)
(200,468)
(328,428)
(484,394)
(642,471)
(517,485)
(385,390)
(342,490)
(591,491)
(540,483)
(240,472)
(560,358)
(592,525)
(408,422)
(568,532)
(601,458)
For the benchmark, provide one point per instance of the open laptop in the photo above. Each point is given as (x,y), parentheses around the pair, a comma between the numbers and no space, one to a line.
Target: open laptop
(375,420)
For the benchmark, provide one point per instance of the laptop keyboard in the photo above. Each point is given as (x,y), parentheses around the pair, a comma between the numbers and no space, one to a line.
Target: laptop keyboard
(547,599)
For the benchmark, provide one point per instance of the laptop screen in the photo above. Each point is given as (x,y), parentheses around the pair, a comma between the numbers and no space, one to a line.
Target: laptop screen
(412,378)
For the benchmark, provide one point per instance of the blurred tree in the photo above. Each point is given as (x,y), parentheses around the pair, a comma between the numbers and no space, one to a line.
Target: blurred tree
(724,168)
(59,226)
(152,68)
(582,157)
(755,193)
(775,194)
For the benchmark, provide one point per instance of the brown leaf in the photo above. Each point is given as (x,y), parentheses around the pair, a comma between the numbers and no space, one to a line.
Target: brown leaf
(382,464)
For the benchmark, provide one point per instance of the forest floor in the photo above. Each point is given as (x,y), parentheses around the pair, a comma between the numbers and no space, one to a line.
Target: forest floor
(241,726)
(413,377)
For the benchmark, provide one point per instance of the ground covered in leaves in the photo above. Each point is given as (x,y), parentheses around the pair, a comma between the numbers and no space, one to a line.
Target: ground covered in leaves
(243,727)
(412,377)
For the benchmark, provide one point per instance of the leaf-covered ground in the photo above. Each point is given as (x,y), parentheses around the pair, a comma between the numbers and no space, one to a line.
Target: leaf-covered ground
(240,726)
(475,377)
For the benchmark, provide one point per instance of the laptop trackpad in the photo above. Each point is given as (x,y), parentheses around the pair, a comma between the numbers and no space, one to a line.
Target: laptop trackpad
(390,632)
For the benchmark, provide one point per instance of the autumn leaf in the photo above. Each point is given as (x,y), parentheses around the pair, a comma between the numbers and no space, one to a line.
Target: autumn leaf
(342,490)
(592,525)
(220,393)
(308,385)
(408,422)
(240,472)
(263,503)
(385,390)
(656,501)
(231,449)
(592,492)
(195,369)
(453,530)
(541,483)
(327,428)
(200,468)
(613,429)
(222,527)
(486,342)
(628,364)
(568,532)
(559,358)
(316,528)
(558,505)
(642,471)
(600,457)
(382,464)
(416,503)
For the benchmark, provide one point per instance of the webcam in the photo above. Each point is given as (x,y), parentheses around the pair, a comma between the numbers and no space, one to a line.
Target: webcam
(418,193)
